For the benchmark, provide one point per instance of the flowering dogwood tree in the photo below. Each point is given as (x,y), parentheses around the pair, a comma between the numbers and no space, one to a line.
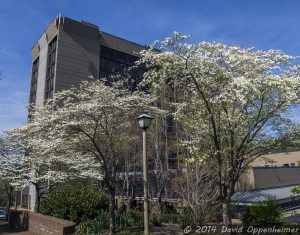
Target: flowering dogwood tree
(36,166)
(13,171)
(232,102)
(86,130)
(50,160)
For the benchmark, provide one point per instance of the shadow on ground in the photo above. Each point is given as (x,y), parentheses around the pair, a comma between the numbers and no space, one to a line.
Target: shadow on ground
(4,229)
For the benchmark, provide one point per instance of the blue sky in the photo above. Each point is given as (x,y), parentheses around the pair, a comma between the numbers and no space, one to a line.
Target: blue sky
(263,24)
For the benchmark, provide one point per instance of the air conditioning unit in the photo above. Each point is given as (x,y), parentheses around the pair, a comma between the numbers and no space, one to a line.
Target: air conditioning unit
(290,164)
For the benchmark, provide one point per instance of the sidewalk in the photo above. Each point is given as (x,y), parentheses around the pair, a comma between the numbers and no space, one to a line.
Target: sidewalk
(4,229)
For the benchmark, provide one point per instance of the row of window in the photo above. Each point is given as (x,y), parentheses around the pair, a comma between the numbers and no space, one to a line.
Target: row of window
(111,62)
(117,62)
(50,69)
(34,76)
(119,56)
(49,76)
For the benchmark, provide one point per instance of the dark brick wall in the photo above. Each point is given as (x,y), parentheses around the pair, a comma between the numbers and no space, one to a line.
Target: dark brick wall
(40,224)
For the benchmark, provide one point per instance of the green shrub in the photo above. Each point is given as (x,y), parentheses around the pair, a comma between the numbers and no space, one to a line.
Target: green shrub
(122,219)
(102,220)
(132,218)
(155,220)
(85,227)
(184,218)
(263,213)
(95,226)
(77,205)
(136,218)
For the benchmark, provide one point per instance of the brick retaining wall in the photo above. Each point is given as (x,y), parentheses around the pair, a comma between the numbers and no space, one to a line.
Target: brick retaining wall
(40,224)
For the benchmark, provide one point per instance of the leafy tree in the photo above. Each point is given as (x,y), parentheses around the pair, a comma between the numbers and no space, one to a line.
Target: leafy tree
(13,173)
(86,130)
(232,102)
(263,213)
(42,166)
(77,204)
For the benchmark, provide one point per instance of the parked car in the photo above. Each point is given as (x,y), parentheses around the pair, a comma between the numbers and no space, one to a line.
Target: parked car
(2,213)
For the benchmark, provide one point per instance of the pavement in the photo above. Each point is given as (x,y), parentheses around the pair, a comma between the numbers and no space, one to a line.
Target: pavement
(4,229)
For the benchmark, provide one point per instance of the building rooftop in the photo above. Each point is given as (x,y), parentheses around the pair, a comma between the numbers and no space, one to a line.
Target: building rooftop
(281,194)
(60,20)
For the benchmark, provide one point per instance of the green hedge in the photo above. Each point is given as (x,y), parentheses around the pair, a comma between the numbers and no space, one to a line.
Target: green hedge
(77,204)
(133,218)
(263,213)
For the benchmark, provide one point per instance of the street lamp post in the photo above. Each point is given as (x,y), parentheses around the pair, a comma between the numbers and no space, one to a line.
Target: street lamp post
(144,121)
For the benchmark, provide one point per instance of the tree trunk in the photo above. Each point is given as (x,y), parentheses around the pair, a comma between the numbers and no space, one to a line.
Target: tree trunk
(38,203)
(8,205)
(112,222)
(159,204)
(16,200)
(127,193)
(9,192)
(226,211)
(38,199)
(225,200)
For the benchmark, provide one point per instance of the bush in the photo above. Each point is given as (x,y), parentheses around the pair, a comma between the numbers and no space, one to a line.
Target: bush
(95,226)
(77,205)
(155,220)
(85,227)
(132,218)
(136,218)
(184,219)
(263,213)
(122,219)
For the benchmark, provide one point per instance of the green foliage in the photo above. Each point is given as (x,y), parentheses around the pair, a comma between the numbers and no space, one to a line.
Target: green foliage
(95,226)
(3,195)
(122,219)
(136,218)
(77,204)
(132,218)
(185,218)
(85,227)
(233,212)
(155,220)
(295,192)
(263,213)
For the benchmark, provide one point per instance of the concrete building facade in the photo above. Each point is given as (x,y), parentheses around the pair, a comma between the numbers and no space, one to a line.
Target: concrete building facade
(69,52)
(270,176)
(273,170)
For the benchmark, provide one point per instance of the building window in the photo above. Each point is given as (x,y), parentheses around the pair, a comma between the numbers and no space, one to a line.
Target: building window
(50,68)
(172,160)
(106,65)
(113,61)
(34,77)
